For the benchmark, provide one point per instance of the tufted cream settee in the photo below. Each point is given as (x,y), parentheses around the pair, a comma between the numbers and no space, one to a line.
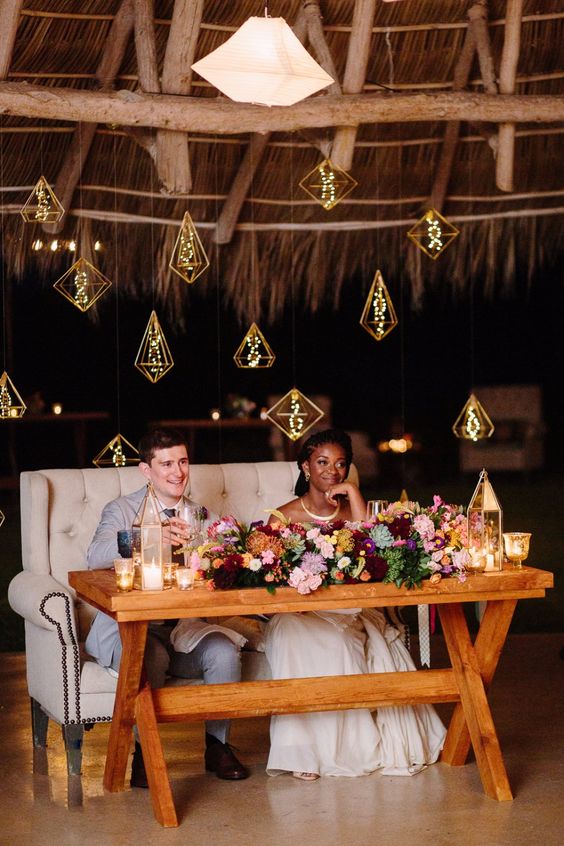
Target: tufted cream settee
(60,510)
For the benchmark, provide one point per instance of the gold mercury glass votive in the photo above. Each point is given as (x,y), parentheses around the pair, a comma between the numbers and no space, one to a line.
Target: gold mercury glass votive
(124,570)
(516,547)
(169,569)
(184,578)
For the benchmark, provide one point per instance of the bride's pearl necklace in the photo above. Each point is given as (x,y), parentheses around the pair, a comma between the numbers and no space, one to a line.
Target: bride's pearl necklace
(324,518)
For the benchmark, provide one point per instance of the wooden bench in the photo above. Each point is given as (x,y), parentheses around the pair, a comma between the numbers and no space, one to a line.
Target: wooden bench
(465,682)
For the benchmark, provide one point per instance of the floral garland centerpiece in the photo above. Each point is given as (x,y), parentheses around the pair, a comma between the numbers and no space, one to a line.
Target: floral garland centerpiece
(403,545)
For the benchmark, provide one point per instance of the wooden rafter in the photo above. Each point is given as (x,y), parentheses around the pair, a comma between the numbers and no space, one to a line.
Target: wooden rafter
(478,17)
(507,77)
(10,16)
(145,47)
(77,152)
(452,129)
(173,162)
(198,114)
(229,215)
(355,74)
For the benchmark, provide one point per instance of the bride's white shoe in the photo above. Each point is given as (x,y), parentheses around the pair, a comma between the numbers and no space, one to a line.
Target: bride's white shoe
(306,776)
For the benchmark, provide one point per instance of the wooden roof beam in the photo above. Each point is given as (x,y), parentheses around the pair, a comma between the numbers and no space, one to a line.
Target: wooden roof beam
(173,162)
(229,215)
(358,55)
(219,115)
(452,130)
(507,76)
(478,17)
(145,47)
(10,16)
(77,152)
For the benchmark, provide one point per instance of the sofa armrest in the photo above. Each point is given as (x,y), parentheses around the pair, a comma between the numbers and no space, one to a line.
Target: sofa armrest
(45,602)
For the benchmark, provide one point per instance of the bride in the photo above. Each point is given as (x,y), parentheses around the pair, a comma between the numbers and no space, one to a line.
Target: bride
(399,740)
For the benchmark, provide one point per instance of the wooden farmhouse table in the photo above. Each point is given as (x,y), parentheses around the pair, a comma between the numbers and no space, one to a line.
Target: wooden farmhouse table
(465,682)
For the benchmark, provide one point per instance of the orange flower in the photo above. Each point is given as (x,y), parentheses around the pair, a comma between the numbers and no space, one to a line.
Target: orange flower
(364,576)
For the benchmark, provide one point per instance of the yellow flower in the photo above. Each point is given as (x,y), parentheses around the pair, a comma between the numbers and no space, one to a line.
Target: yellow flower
(345,540)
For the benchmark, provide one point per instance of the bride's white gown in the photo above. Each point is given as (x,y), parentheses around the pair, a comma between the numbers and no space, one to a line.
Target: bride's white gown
(399,740)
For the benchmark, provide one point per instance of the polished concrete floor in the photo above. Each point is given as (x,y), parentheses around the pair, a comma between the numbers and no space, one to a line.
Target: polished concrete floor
(442,805)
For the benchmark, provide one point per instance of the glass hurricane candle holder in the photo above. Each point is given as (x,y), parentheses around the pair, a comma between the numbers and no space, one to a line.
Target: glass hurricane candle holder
(169,569)
(375,507)
(516,547)
(124,571)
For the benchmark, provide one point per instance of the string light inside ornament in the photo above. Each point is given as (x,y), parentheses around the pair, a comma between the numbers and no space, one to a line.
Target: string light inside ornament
(433,233)
(2,518)
(473,423)
(82,284)
(154,358)
(328,184)
(378,316)
(42,205)
(254,352)
(117,453)
(294,414)
(189,259)
(11,404)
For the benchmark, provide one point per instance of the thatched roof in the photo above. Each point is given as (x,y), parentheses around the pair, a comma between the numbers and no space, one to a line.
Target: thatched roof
(62,61)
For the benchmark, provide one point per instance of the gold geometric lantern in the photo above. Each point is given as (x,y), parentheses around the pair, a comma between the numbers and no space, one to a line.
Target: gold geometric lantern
(189,259)
(378,316)
(294,414)
(473,423)
(433,233)
(11,404)
(154,358)
(328,184)
(254,351)
(2,518)
(42,206)
(82,284)
(485,529)
(117,453)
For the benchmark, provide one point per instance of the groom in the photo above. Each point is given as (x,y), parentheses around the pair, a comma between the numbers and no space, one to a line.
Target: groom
(164,462)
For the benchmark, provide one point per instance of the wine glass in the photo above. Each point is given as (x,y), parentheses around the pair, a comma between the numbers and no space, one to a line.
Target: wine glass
(375,507)
(192,515)
(516,547)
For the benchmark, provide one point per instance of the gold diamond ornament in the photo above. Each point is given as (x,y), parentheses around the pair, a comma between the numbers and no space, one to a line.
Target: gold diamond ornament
(294,414)
(42,205)
(473,423)
(189,259)
(11,404)
(254,351)
(433,233)
(328,184)
(378,316)
(117,453)
(82,284)
(154,359)
(2,518)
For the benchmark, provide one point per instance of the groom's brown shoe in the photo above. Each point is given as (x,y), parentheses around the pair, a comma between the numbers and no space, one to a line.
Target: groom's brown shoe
(221,760)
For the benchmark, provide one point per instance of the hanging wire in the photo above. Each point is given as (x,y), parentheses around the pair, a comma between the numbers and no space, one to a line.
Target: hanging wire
(116,280)
(3,255)
(292,264)
(472,337)
(218,308)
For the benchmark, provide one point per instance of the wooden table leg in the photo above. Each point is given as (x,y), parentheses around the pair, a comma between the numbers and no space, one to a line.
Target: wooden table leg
(488,646)
(155,765)
(133,639)
(474,701)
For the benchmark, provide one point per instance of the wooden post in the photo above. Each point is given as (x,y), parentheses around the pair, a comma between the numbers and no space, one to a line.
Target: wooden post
(10,16)
(507,76)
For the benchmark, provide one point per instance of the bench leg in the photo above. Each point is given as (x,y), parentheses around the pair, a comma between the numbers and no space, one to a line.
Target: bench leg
(39,724)
(474,702)
(155,765)
(73,736)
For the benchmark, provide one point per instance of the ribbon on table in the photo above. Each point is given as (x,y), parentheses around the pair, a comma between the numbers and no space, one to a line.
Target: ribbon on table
(424,635)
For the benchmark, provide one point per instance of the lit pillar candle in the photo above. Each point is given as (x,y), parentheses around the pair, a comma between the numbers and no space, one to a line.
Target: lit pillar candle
(152,577)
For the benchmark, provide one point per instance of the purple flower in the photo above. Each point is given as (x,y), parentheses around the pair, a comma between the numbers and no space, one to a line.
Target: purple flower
(368,546)
(411,544)
(313,563)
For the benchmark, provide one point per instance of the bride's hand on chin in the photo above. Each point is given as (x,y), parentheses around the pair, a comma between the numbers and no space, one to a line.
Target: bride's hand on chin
(340,489)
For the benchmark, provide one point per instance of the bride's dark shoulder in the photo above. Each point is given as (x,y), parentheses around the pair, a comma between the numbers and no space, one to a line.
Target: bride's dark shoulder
(291,511)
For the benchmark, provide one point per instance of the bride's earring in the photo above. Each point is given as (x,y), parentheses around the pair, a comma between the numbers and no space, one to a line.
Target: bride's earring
(306,474)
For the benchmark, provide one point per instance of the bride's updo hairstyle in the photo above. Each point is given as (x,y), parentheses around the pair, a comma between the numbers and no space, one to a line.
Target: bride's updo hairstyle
(328,436)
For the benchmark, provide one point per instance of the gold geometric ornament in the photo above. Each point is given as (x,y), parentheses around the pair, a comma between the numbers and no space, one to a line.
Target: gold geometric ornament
(11,404)
(378,316)
(433,233)
(189,259)
(294,414)
(328,184)
(254,351)
(473,423)
(117,453)
(42,205)
(153,358)
(2,518)
(82,284)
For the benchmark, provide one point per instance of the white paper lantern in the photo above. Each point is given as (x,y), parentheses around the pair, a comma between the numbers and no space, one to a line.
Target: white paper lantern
(263,62)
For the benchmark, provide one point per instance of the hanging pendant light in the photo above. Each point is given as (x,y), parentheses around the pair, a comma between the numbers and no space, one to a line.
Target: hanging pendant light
(42,205)
(254,351)
(294,414)
(154,359)
(433,233)
(117,453)
(473,423)
(328,184)
(378,316)
(11,404)
(263,62)
(82,284)
(189,259)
